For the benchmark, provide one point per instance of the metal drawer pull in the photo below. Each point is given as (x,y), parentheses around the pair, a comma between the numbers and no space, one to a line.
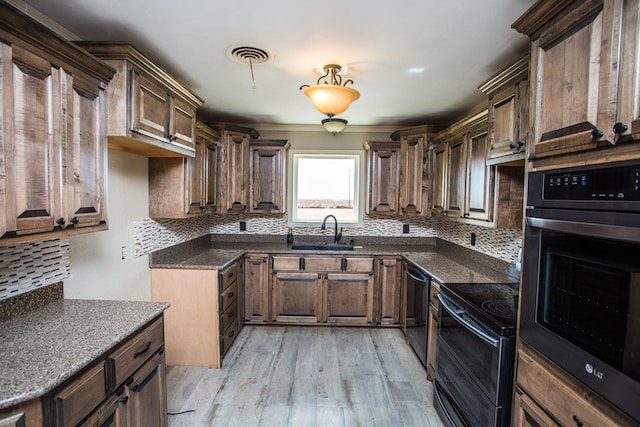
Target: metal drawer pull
(143,351)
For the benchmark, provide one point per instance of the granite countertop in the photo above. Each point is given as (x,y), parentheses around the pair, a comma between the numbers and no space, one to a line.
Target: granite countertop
(444,262)
(43,348)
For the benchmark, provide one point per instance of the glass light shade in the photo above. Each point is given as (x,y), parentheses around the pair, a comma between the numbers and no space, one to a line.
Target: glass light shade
(331,99)
(334,125)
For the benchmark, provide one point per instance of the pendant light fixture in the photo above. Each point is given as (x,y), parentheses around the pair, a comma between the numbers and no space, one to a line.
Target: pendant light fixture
(334,125)
(329,95)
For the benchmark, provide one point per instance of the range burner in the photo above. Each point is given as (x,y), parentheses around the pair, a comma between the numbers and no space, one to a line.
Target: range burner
(494,304)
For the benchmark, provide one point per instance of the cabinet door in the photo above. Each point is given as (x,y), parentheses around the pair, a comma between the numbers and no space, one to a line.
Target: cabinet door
(479,194)
(256,288)
(210,183)
(526,413)
(149,107)
(85,153)
(112,413)
(147,395)
(195,170)
(628,111)
(384,178)
(267,179)
(573,78)
(182,124)
(508,119)
(389,281)
(439,174)
(432,341)
(349,298)
(456,174)
(411,170)
(297,297)
(31,141)
(237,166)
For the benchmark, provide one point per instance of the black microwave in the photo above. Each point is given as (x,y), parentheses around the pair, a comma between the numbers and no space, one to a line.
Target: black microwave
(581,277)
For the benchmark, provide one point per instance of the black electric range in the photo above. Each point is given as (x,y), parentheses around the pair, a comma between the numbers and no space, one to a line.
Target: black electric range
(494,305)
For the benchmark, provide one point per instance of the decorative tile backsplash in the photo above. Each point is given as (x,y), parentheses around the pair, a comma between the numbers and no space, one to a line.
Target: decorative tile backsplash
(34,265)
(30,266)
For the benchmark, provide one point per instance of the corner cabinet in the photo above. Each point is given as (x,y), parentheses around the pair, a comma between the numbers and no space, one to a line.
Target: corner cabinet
(413,183)
(584,79)
(463,184)
(151,113)
(267,167)
(52,139)
(235,158)
(181,187)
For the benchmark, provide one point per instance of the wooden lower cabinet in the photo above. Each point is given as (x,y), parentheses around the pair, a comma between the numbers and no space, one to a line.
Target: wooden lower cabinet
(256,288)
(23,415)
(205,313)
(349,298)
(389,293)
(547,396)
(297,297)
(318,289)
(146,395)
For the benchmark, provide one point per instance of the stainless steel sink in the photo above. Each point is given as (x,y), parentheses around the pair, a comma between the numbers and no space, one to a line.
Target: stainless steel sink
(321,247)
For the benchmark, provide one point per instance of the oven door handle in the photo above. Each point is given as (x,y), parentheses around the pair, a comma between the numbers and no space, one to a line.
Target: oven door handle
(449,306)
(618,232)
(416,278)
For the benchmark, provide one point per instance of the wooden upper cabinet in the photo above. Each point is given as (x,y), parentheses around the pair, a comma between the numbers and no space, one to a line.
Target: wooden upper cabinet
(181,187)
(463,183)
(151,113)
(582,82)
(508,93)
(52,139)
(384,177)
(267,175)
(237,165)
(412,149)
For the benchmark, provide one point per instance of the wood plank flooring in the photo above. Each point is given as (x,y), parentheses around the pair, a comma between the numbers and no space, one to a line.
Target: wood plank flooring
(306,376)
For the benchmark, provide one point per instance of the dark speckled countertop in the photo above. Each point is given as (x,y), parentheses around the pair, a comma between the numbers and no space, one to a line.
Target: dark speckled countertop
(443,261)
(41,349)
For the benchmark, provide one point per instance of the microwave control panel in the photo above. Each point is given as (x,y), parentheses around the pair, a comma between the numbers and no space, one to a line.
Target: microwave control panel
(614,183)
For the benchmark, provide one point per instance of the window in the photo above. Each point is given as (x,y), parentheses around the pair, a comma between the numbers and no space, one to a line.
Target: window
(325,183)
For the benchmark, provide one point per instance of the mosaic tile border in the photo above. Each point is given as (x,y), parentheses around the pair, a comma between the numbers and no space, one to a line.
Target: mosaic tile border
(30,266)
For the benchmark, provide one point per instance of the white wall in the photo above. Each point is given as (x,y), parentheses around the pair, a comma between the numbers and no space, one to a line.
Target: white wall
(97,270)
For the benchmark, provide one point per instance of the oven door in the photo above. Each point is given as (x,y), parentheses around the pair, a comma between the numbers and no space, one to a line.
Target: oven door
(581,298)
(472,385)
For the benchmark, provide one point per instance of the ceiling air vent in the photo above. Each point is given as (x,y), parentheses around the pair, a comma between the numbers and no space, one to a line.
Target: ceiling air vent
(249,55)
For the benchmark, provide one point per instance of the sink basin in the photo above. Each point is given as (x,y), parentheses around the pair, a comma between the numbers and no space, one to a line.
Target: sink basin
(322,247)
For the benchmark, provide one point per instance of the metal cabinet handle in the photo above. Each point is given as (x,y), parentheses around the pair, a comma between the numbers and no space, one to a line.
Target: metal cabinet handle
(60,221)
(74,220)
(596,134)
(143,350)
(620,128)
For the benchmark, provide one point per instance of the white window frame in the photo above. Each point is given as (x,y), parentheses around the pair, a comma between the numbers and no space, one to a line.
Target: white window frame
(358,185)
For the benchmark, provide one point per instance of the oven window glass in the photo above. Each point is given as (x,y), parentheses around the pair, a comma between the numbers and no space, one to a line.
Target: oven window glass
(589,294)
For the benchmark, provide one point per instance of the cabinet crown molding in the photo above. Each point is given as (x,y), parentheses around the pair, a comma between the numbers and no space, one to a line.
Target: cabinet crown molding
(545,10)
(466,124)
(18,28)
(125,51)
(513,72)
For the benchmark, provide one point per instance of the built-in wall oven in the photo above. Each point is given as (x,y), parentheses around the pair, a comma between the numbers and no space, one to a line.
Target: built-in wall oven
(416,306)
(476,350)
(581,276)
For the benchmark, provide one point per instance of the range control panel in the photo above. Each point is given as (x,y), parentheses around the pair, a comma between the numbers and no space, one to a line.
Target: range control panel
(612,183)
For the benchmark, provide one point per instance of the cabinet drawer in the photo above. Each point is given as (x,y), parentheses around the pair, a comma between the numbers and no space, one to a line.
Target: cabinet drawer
(82,396)
(128,358)
(229,336)
(286,263)
(228,276)
(228,296)
(359,265)
(228,316)
(323,263)
(568,402)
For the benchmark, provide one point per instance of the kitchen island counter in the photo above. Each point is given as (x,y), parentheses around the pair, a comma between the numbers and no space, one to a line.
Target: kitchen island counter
(45,347)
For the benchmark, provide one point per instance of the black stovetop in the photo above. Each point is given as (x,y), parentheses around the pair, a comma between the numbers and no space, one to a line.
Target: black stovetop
(493,304)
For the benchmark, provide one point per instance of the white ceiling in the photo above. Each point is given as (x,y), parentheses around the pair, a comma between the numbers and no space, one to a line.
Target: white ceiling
(459,44)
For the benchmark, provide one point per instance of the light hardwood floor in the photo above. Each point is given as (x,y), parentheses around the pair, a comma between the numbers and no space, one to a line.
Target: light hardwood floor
(306,376)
